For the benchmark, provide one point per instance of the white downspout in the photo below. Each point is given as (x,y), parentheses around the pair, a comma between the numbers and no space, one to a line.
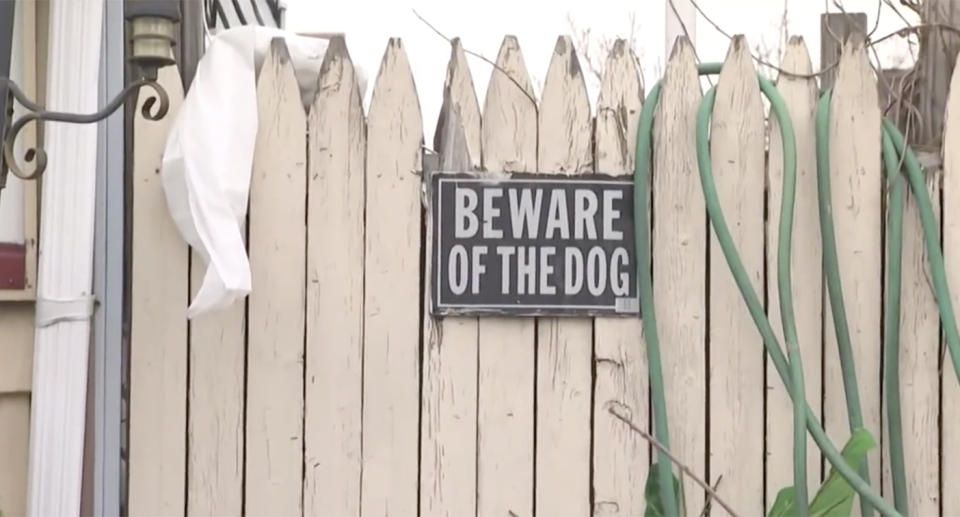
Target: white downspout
(64,285)
(675,24)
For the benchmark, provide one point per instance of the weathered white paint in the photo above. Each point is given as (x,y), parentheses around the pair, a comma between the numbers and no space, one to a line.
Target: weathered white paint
(856,185)
(277,233)
(14,437)
(950,387)
(391,359)
(680,264)
(620,457)
(448,435)
(564,345)
(736,351)
(158,326)
(800,95)
(919,355)
(505,384)
(215,430)
(334,354)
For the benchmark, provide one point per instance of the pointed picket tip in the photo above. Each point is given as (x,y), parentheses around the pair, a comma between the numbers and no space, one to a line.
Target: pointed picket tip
(738,75)
(460,99)
(682,48)
(277,56)
(681,67)
(510,65)
(509,129)
(618,111)
(854,66)
(565,139)
(796,58)
(337,74)
(394,79)
(278,79)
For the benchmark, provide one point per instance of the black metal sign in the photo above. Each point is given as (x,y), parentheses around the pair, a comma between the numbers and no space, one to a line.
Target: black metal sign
(533,245)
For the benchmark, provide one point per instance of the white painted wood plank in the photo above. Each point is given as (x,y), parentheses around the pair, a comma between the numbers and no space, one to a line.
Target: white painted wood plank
(736,353)
(856,185)
(277,241)
(919,356)
(334,355)
(448,471)
(800,95)
(505,385)
(620,457)
(16,347)
(391,395)
(680,264)
(158,326)
(215,424)
(564,345)
(950,388)
(14,446)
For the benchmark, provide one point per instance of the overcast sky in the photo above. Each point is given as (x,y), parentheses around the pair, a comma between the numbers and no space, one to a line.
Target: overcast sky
(481,25)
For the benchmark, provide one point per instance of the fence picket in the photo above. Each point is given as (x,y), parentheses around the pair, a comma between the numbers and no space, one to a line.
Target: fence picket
(276,305)
(800,96)
(620,457)
(679,263)
(735,348)
(215,431)
(448,484)
(505,387)
(158,326)
(950,388)
(391,394)
(856,197)
(334,344)
(564,345)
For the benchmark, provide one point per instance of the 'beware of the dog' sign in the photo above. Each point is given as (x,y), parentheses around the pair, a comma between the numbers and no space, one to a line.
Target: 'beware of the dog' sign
(533,245)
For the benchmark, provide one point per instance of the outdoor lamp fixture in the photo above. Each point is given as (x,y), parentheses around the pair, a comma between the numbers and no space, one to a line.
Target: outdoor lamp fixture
(152,31)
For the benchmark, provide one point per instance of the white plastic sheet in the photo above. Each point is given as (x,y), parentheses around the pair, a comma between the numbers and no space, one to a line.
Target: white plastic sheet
(208,158)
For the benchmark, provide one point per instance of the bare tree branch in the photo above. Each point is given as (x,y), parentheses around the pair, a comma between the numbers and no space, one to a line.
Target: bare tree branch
(612,407)
(480,56)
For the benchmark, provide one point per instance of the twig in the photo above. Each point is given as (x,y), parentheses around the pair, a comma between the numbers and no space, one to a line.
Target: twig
(916,29)
(480,56)
(686,33)
(876,23)
(612,408)
(706,505)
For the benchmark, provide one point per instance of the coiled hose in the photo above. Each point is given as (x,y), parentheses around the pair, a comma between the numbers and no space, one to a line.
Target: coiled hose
(897,157)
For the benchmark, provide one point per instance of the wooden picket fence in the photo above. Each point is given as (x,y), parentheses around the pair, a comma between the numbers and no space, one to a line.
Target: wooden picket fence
(331,392)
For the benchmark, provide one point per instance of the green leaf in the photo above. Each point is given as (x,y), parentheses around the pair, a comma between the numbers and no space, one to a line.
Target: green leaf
(835,497)
(785,503)
(651,493)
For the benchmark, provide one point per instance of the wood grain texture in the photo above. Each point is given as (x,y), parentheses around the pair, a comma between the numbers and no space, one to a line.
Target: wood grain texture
(680,263)
(215,424)
(919,355)
(16,347)
(391,393)
(856,184)
(334,354)
(800,96)
(277,237)
(949,385)
(620,457)
(505,384)
(14,440)
(736,353)
(158,326)
(564,345)
(448,463)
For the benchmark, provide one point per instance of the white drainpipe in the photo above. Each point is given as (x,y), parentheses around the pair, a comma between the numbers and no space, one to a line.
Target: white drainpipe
(64,285)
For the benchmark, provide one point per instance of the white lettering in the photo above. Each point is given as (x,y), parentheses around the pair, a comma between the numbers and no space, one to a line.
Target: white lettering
(478,268)
(585,208)
(466,221)
(457,269)
(557,218)
(609,214)
(525,211)
(490,213)
(505,253)
(596,271)
(573,271)
(546,269)
(618,279)
(526,267)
